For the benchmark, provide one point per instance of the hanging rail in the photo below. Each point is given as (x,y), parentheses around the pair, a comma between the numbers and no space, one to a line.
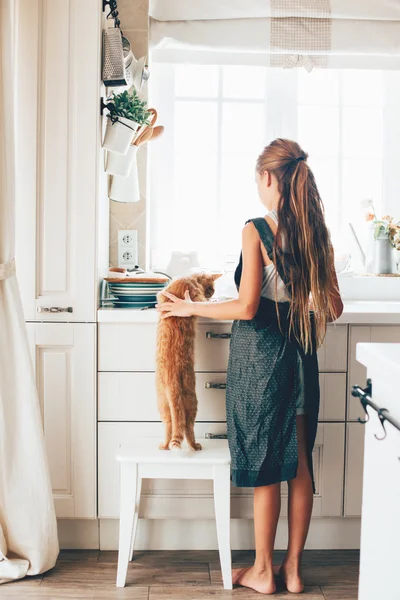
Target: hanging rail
(364,395)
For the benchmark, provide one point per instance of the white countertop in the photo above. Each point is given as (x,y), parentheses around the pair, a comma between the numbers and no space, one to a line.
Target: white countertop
(355,312)
(383,368)
(383,357)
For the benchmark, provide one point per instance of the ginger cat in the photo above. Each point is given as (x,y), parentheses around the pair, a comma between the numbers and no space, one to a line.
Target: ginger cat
(175,376)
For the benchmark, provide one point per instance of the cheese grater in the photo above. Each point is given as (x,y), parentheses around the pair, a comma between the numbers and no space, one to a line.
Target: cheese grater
(113,56)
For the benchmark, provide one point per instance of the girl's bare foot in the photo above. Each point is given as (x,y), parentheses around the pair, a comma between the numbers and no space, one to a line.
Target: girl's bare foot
(291,576)
(261,581)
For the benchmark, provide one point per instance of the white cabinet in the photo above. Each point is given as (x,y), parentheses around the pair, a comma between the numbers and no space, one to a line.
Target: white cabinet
(64,356)
(328,460)
(332,396)
(332,356)
(58,141)
(193,499)
(357,372)
(354,469)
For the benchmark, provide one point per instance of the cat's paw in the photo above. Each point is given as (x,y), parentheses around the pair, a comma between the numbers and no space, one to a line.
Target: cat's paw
(175,445)
(197,447)
(163,446)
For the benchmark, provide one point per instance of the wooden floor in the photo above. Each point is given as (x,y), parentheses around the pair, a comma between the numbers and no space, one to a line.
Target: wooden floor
(183,575)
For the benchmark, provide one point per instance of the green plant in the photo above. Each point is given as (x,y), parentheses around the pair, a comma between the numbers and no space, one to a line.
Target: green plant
(130,106)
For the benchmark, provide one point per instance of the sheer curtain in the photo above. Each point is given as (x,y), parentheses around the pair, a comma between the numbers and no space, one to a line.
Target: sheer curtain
(280,33)
(28,528)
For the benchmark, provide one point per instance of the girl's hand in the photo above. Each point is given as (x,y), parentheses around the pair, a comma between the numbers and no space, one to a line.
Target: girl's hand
(176,307)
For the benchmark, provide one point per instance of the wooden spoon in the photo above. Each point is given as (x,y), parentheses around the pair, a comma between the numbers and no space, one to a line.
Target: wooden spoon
(144,137)
(157,132)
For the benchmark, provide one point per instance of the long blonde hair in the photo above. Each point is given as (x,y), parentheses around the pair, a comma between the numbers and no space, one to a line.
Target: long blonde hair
(308,257)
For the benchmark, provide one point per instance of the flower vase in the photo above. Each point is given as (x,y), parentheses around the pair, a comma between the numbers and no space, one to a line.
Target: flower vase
(380,256)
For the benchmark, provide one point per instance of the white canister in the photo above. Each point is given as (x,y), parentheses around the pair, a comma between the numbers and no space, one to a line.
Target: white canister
(119,135)
(121,164)
(380,258)
(126,189)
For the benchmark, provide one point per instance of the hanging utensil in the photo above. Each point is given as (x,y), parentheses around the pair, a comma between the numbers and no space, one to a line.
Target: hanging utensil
(157,132)
(144,137)
(113,71)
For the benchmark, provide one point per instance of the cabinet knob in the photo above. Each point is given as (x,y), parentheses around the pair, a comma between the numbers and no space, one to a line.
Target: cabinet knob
(54,309)
(215,386)
(220,336)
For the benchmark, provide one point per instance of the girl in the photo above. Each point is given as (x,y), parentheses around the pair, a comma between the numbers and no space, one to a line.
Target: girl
(288,292)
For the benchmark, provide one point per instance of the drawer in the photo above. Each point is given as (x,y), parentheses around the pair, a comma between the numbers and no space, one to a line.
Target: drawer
(332,356)
(132,346)
(333,396)
(193,499)
(160,498)
(132,397)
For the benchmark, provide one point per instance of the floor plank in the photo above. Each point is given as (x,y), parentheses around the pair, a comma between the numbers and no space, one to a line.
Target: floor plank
(84,593)
(182,593)
(180,575)
(163,557)
(340,592)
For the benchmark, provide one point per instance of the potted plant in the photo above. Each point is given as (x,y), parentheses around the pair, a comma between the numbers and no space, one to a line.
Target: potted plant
(386,240)
(127,112)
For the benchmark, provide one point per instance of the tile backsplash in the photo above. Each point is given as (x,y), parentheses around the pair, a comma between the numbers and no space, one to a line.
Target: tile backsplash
(134,16)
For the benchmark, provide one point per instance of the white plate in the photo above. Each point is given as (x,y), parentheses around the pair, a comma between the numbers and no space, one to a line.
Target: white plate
(133,292)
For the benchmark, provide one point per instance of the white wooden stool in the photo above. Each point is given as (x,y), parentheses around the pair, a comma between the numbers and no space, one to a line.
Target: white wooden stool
(143,460)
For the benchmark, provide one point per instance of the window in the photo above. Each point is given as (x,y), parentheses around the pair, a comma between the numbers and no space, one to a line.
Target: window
(217,120)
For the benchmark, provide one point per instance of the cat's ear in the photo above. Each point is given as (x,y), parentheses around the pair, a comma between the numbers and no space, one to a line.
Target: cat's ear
(215,276)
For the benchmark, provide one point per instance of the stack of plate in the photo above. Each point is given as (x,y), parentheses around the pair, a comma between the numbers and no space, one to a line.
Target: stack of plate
(136,292)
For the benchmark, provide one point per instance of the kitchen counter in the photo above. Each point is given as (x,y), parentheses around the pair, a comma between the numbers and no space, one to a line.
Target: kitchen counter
(355,312)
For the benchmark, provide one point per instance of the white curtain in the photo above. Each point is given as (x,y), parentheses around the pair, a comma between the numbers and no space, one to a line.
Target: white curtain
(195,10)
(328,33)
(28,528)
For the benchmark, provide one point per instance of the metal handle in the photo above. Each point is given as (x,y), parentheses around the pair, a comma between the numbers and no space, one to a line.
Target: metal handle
(383,413)
(220,336)
(215,386)
(54,309)
(216,436)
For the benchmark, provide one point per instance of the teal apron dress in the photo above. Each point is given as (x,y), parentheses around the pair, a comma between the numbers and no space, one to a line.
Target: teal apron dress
(263,386)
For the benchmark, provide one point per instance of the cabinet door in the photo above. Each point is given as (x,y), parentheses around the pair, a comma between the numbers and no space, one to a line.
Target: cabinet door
(328,460)
(357,372)
(354,469)
(332,356)
(57,145)
(65,367)
(333,396)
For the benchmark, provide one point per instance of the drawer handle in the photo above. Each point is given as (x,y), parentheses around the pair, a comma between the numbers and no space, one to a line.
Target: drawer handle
(54,309)
(216,436)
(210,335)
(215,386)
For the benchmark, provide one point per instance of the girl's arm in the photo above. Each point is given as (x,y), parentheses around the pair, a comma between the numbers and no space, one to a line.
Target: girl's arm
(244,307)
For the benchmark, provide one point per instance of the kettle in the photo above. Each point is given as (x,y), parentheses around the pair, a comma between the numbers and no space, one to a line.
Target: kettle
(181,263)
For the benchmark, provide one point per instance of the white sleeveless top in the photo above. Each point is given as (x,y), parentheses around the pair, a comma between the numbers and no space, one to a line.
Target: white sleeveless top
(272,282)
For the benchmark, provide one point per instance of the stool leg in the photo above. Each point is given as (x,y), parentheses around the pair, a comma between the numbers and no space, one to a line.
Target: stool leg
(128,484)
(222,503)
(136,517)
